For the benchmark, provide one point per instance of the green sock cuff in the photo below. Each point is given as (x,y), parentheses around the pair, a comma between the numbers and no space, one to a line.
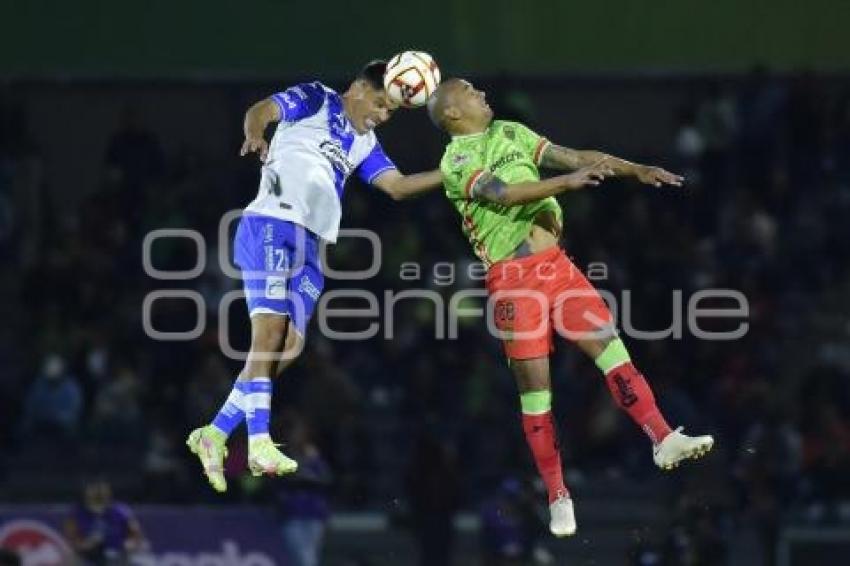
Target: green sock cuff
(613,355)
(536,402)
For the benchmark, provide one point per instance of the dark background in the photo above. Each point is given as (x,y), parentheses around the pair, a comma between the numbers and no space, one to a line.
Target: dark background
(119,119)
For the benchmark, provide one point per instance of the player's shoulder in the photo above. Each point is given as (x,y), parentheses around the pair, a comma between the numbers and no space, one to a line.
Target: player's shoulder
(122,510)
(324,87)
(326,91)
(463,150)
(508,128)
(309,92)
(451,155)
(302,100)
(456,164)
(502,124)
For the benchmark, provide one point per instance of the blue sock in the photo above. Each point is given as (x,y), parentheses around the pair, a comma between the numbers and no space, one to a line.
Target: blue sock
(258,403)
(233,411)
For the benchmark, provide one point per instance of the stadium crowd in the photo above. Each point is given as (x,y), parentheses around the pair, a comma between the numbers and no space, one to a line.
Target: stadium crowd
(421,419)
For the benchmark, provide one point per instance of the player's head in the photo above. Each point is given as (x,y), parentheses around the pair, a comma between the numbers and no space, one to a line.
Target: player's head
(366,102)
(97,494)
(458,107)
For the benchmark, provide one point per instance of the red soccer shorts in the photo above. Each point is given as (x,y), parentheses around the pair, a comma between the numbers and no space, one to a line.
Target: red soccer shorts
(532,296)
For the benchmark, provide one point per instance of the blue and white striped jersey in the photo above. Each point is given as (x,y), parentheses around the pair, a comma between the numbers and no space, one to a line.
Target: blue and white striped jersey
(314,150)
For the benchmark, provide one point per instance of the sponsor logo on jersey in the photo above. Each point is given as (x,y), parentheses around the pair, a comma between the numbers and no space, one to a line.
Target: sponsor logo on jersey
(287,99)
(337,156)
(275,287)
(460,160)
(268,254)
(297,90)
(308,288)
(338,125)
(505,160)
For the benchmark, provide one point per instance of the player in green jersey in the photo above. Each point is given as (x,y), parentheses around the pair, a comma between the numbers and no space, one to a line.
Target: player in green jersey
(511,218)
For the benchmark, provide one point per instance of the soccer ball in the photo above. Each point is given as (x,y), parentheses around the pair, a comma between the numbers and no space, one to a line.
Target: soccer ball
(411,77)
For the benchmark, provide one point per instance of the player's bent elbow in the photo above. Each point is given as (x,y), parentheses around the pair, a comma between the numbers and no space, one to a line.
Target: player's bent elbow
(510,198)
(396,190)
(265,111)
(390,183)
(392,192)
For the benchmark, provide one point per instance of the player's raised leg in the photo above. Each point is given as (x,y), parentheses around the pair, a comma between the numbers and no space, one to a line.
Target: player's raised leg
(271,253)
(582,316)
(533,382)
(633,394)
(266,357)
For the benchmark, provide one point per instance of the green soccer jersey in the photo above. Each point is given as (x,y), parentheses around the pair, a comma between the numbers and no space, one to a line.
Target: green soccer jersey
(511,152)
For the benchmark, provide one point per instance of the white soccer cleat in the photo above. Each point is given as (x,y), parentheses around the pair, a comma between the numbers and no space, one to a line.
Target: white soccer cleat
(676,447)
(563,520)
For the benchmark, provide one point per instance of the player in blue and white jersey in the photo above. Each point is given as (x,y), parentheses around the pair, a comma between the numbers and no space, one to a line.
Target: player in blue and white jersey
(321,138)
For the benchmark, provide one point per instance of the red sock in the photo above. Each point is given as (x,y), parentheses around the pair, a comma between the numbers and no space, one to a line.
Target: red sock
(632,394)
(540,435)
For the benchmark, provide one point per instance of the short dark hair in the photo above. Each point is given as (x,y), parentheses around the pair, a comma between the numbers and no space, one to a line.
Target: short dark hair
(373,73)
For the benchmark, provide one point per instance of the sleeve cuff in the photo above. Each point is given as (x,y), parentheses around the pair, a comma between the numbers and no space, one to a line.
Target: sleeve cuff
(467,190)
(540,150)
(278,99)
(380,172)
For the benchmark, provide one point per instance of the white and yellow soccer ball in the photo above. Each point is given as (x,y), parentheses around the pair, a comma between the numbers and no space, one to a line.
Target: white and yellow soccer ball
(411,78)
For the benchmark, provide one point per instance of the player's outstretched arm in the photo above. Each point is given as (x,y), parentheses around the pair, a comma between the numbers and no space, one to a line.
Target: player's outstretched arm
(400,186)
(487,186)
(564,158)
(257,119)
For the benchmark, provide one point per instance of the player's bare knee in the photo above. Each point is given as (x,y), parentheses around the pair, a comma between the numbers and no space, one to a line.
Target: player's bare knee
(269,333)
(598,340)
(606,334)
(291,350)
(531,374)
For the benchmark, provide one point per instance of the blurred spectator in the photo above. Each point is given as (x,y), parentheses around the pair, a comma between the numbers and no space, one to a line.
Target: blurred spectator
(767,215)
(718,127)
(806,120)
(696,536)
(432,490)
(117,414)
(165,476)
(827,455)
(207,387)
(102,531)
(761,102)
(510,526)
(335,419)
(54,402)
(22,206)
(135,153)
(838,130)
(689,145)
(768,468)
(302,498)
